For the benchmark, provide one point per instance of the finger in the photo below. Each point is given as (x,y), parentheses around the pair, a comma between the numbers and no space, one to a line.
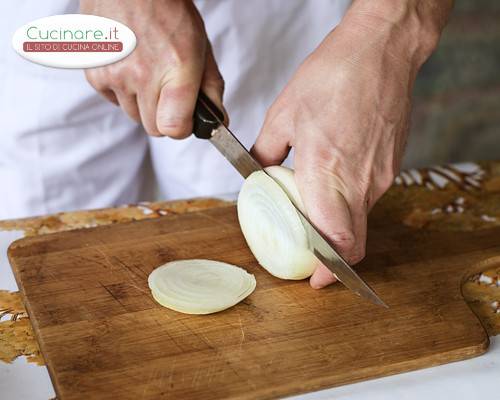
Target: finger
(212,83)
(110,95)
(273,143)
(147,101)
(326,204)
(329,211)
(359,213)
(178,94)
(129,104)
(94,78)
(351,245)
(322,277)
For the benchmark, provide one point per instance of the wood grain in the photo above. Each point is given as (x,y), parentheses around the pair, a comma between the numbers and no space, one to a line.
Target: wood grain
(104,337)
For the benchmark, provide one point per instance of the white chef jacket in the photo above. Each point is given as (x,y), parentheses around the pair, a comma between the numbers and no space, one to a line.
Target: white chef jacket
(64,147)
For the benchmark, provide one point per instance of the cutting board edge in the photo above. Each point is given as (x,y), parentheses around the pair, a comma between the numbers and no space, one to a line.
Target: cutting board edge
(36,330)
(457,355)
(24,242)
(363,374)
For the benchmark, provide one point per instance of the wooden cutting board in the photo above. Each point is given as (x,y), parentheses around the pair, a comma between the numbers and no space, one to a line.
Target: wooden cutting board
(103,336)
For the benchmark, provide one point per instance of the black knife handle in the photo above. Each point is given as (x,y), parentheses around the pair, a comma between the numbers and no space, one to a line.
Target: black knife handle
(206,118)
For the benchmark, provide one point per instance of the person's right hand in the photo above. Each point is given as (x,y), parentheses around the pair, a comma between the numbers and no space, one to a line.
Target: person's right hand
(158,83)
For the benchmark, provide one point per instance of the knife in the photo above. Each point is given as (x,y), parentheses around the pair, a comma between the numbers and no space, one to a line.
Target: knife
(208,123)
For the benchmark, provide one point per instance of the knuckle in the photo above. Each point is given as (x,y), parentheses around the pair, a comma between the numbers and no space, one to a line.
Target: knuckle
(90,74)
(140,73)
(93,78)
(183,53)
(273,120)
(119,75)
(114,77)
(357,256)
(273,111)
(353,250)
(345,239)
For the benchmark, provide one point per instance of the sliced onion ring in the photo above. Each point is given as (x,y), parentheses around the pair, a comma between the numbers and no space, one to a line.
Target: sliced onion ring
(271,225)
(200,286)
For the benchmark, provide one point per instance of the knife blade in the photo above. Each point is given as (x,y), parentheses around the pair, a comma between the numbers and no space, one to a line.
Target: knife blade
(234,151)
(208,124)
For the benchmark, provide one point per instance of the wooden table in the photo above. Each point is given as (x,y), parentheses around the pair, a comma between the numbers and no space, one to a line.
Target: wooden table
(461,197)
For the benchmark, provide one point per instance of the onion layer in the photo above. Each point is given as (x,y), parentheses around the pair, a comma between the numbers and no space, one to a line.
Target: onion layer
(200,286)
(272,226)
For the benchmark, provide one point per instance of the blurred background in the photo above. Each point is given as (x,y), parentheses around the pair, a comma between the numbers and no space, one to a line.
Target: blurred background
(456,113)
(455,117)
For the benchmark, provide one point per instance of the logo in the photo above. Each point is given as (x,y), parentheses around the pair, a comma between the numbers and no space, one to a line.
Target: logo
(74,41)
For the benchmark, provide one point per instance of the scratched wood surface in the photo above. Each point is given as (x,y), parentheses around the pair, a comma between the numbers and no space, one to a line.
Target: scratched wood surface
(103,336)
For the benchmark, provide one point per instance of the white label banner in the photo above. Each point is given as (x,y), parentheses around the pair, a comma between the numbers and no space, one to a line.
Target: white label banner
(74,41)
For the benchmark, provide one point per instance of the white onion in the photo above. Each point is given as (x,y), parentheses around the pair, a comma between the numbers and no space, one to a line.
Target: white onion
(200,286)
(272,226)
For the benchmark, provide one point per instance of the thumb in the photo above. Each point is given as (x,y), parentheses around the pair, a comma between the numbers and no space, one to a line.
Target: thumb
(273,143)
(177,100)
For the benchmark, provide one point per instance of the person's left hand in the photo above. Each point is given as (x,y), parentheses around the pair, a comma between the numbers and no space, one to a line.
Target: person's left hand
(346,113)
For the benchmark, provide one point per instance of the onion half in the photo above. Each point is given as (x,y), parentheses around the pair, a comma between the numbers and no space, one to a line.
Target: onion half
(271,225)
(200,286)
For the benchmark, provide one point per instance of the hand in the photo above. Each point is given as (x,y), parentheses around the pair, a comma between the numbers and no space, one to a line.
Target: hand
(346,113)
(158,83)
